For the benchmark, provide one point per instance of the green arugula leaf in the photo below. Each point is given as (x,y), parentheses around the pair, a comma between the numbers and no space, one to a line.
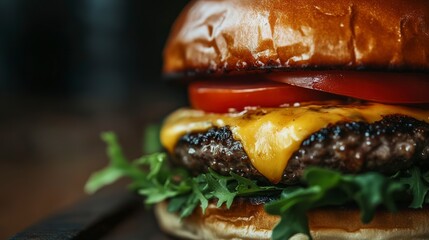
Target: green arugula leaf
(102,178)
(324,178)
(177,203)
(369,191)
(118,167)
(153,178)
(158,193)
(190,205)
(152,143)
(418,186)
(292,197)
(292,224)
(247,187)
(329,188)
(219,189)
(204,202)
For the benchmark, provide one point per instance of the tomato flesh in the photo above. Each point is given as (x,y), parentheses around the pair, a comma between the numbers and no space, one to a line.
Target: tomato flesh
(276,89)
(399,88)
(222,96)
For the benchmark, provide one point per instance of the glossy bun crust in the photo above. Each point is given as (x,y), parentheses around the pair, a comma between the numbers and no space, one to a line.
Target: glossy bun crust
(236,35)
(246,221)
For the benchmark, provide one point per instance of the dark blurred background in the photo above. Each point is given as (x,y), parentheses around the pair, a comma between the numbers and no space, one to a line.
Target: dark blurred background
(69,70)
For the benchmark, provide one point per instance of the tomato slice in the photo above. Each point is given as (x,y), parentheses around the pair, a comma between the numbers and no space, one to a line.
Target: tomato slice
(402,88)
(222,96)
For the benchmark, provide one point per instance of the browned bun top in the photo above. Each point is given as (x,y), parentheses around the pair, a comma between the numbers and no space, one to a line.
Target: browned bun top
(235,35)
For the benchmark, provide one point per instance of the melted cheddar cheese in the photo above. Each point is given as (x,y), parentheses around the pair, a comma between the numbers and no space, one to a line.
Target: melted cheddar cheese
(270,136)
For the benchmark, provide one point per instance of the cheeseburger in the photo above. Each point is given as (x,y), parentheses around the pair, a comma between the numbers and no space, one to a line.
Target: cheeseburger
(307,119)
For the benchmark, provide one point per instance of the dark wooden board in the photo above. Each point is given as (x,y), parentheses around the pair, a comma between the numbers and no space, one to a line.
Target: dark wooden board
(107,215)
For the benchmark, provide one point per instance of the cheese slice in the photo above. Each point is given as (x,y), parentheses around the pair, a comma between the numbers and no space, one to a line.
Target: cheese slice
(270,136)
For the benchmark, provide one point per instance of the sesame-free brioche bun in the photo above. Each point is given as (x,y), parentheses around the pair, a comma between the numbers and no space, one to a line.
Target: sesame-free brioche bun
(237,35)
(246,221)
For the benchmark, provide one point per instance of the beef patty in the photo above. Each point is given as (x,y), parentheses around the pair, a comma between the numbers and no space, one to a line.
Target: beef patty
(394,143)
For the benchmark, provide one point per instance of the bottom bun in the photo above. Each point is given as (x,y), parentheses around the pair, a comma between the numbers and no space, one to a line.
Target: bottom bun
(246,221)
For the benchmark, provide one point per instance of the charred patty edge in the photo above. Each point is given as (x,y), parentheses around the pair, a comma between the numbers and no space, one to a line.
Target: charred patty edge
(394,143)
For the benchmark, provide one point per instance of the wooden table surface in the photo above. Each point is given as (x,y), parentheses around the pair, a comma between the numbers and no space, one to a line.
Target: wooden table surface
(110,214)
(48,149)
